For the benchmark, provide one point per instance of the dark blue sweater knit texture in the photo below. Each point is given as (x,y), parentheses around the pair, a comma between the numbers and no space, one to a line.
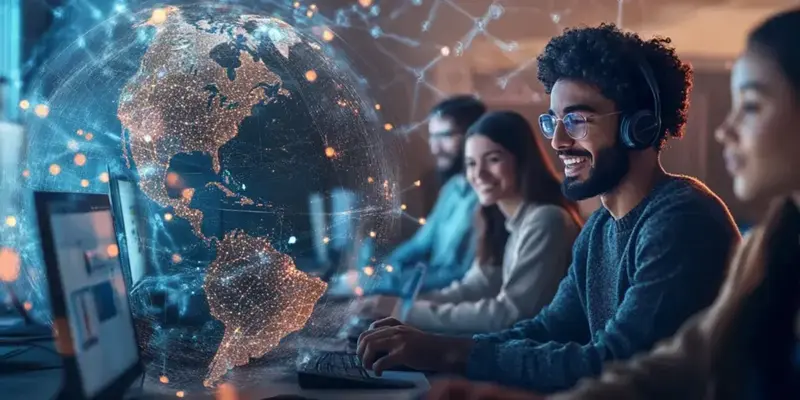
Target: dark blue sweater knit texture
(632,282)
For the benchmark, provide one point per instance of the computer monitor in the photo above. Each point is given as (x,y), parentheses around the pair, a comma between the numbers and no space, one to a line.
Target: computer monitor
(130,223)
(410,291)
(91,312)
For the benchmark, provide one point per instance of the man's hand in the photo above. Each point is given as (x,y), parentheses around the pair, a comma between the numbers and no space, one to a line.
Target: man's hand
(465,390)
(390,344)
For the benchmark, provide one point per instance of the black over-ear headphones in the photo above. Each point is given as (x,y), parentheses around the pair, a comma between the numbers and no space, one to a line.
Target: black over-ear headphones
(641,129)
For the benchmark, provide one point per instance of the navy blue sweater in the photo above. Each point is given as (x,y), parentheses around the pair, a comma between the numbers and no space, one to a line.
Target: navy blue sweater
(632,282)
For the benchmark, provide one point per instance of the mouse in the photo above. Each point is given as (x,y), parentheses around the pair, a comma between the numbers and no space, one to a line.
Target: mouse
(287,397)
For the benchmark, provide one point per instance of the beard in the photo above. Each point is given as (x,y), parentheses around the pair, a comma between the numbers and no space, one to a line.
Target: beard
(610,166)
(456,167)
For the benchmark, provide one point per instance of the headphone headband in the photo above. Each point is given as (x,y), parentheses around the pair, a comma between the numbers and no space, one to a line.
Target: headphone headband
(650,78)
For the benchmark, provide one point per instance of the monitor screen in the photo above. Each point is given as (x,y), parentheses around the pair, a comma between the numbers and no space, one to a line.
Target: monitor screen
(131,228)
(95,293)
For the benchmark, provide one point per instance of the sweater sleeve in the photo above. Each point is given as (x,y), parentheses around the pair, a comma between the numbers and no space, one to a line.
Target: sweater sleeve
(474,286)
(675,253)
(541,255)
(681,367)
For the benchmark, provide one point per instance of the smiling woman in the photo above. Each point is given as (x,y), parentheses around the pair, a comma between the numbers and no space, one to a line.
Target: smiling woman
(526,230)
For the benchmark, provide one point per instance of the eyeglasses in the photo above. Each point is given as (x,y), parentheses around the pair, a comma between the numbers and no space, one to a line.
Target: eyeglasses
(575,124)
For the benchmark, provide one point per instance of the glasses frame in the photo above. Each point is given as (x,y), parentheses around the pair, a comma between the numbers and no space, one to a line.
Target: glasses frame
(583,118)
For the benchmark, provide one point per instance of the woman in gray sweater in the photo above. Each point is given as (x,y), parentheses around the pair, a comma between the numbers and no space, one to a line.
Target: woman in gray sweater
(526,230)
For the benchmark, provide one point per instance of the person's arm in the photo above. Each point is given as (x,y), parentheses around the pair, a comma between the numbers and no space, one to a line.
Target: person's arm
(675,254)
(681,367)
(419,247)
(563,319)
(472,287)
(541,253)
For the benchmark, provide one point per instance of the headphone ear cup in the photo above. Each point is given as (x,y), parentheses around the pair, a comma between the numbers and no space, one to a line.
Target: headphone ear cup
(639,130)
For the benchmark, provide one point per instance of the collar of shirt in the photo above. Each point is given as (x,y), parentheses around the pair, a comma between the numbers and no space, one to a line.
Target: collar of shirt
(513,223)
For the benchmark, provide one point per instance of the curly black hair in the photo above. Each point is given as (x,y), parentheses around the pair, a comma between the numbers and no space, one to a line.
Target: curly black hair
(610,59)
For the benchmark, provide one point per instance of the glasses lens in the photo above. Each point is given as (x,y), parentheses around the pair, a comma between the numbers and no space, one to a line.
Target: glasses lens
(547,123)
(575,124)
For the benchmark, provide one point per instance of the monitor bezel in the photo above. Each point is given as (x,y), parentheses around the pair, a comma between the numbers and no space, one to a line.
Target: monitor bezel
(73,385)
(119,226)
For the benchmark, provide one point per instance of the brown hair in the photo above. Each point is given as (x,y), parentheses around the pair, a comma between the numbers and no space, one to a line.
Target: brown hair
(536,179)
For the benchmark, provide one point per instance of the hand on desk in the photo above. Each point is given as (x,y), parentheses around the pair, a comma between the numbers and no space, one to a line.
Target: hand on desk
(375,306)
(465,390)
(389,343)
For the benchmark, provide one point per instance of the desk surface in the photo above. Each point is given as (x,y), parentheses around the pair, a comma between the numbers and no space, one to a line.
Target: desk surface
(253,382)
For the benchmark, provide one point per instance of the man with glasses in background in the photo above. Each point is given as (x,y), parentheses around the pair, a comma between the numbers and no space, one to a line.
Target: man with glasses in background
(652,256)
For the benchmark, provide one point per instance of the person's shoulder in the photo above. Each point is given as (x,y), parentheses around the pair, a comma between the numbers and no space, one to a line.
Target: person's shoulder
(686,195)
(457,184)
(546,214)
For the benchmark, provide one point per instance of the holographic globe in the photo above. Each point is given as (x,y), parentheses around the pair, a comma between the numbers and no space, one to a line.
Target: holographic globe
(229,121)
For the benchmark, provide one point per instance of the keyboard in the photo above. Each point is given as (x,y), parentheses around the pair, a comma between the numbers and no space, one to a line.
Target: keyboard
(331,370)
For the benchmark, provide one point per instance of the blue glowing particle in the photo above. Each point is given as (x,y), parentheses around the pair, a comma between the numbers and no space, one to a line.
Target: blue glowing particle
(375,11)
(376,32)
(496,11)
(416,2)
(292,240)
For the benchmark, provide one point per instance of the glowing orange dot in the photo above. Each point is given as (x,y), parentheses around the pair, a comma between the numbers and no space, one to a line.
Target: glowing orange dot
(377,106)
(311,75)
(80,159)
(112,250)
(389,268)
(330,152)
(27,306)
(173,179)
(79,132)
(403,207)
(9,265)
(24,104)
(373,234)
(167,217)
(84,183)
(388,127)
(445,51)
(104,177)
(55,169)
(313,7)
(358,291)
(159,16)
(11,221)
(180,393)
(365,3)
(417,183)
(26,173)
(422,221)
(327,35)
(309,13)
(176,258)
(326,240)
(163,379)
(370,179)
(296,4)
(187,194)
(89,136)
(369,270)
(42,110)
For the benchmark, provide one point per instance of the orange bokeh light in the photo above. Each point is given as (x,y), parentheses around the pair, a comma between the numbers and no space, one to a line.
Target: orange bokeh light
(112,250)
(9,265)
(80,159)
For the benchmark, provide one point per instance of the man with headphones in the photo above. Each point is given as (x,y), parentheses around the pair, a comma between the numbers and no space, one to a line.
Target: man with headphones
(652,256)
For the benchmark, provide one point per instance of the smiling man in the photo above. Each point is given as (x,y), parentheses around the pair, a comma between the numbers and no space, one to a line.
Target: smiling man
(653,255)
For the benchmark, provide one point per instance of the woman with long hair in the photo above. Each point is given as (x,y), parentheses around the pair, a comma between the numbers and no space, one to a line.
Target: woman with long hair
(526,229)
